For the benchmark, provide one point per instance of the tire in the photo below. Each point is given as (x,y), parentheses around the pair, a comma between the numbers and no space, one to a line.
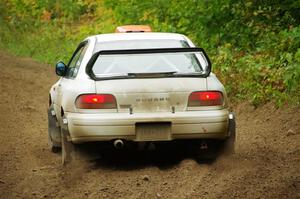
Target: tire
(68,148)
(53,133)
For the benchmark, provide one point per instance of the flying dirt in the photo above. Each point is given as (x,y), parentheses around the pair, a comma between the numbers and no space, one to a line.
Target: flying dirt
(266,163)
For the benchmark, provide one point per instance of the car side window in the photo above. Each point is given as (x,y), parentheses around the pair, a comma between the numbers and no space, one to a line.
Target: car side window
(76,62)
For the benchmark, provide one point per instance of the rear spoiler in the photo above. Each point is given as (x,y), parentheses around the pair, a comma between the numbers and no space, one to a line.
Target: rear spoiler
(95,56)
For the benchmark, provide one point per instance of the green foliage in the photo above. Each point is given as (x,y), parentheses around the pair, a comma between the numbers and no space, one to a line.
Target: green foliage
(254,44)
(49,30)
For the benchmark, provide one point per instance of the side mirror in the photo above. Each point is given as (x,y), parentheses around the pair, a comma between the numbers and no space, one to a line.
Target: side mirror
(61,69)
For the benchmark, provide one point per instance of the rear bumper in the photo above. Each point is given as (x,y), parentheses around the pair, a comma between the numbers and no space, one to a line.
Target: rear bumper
(184,125)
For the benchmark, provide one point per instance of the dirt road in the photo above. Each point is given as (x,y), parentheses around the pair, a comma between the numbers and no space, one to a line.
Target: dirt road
(266,165)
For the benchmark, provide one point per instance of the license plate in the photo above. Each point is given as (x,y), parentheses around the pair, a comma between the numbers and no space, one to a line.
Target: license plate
(153,131)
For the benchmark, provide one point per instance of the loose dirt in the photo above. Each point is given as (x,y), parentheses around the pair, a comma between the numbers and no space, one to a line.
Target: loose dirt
(266,163)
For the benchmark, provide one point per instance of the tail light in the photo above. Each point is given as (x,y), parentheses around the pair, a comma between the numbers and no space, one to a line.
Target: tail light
(96,101)
(206,98)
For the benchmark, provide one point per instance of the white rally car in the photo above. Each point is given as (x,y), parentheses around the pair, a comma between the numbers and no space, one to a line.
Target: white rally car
(140,88)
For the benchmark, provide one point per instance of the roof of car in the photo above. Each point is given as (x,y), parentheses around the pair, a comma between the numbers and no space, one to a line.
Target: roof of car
(138,36)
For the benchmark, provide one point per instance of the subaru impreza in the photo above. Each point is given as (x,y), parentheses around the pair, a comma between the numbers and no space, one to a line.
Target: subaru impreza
(141,87)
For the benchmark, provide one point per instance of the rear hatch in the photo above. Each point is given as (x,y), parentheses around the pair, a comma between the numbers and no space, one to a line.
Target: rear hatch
(151,95)
(150,80)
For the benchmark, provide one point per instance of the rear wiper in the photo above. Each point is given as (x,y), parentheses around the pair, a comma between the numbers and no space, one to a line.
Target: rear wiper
(150,75)
(154,74)
(111,75)
(134,75)
(194,74)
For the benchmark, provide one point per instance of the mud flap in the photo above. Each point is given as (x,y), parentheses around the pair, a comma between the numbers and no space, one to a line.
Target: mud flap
(229,144)
(68,148)
(54,139)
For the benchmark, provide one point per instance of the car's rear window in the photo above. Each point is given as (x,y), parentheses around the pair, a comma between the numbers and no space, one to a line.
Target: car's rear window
(120,64)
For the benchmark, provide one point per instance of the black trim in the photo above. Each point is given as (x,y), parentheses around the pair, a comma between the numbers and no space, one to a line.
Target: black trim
(77,49)
(95,56)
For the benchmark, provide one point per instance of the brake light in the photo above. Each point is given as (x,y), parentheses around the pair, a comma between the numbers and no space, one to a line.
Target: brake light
(206,98)
(96,101)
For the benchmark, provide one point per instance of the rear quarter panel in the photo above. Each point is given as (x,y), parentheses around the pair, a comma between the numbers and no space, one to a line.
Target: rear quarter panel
(214,84)
(72,89)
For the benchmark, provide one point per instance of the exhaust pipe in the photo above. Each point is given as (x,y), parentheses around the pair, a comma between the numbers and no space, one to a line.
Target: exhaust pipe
(118,144)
